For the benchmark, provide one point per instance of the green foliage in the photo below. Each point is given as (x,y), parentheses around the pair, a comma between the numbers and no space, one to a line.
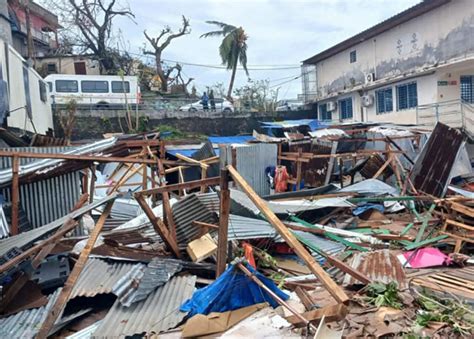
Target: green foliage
(380,294)
(457,315)
(257,95)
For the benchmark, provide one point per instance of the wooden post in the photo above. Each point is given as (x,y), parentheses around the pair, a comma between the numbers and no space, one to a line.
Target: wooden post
(15,195)
(203,176)
(341,170)
(334,289)
(92,184)
(63,297)
(224,211)
(167,212)
(299,166)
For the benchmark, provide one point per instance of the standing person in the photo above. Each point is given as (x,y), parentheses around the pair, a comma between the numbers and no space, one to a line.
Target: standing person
(205,101)
(212,101)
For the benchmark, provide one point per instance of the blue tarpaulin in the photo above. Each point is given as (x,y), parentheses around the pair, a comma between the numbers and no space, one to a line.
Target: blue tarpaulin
(231,291)
(235,139)
(361,209)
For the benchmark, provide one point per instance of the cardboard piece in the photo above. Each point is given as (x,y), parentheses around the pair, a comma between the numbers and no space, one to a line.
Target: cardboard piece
(216,322)
(201,248)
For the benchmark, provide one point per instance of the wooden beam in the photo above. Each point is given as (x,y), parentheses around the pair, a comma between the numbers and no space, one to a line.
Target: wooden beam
(98,158)
(15,195)
(167,212)
(204,224)
(224,211)
(335,290)
(159,226)
(330,313)
(92,179)
(305,298)
(63,297)
(191,160)
(177,187)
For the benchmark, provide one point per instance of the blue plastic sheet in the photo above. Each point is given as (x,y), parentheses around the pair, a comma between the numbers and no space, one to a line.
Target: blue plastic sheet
(361,209)
(233,290)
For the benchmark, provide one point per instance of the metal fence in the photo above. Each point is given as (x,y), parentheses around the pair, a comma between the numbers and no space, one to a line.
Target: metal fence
(454,113)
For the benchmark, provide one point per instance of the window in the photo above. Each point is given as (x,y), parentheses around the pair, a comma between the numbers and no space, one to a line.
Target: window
(120,87)
(353,56)
(66,86)
(407,96)
(323,112)
(52,68)
(384,98)
(467,88)
(43,91)
(89,86)
(345,108)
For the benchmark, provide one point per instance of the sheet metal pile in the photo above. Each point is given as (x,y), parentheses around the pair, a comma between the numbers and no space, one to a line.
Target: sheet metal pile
(347,231)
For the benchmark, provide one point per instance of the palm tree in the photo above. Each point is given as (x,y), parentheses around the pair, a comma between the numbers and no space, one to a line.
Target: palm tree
(232,50)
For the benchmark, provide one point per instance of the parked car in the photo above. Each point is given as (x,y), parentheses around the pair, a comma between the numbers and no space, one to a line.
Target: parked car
(289,105)
(222,105)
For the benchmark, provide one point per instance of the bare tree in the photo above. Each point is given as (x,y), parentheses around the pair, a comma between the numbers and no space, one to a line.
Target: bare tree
(168,35)
(89,24)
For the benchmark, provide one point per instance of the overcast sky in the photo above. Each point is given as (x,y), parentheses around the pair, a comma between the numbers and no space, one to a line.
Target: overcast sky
(281,32)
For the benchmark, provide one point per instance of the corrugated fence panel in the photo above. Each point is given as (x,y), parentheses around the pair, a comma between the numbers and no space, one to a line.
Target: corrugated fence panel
(46,200)
(251,164)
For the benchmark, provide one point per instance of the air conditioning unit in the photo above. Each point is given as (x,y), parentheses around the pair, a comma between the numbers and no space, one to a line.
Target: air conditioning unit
(369,78)
(367,100)
(331,106)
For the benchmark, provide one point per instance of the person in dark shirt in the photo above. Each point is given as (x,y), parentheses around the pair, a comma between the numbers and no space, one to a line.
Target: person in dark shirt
(212,101)
(205,101)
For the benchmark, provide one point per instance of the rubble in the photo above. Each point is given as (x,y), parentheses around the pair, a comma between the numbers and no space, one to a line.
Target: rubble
(374,225)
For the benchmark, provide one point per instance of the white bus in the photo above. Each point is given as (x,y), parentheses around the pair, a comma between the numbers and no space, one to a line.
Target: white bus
(95,90)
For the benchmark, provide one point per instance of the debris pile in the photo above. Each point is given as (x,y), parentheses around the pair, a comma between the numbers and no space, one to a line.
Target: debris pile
(298,230)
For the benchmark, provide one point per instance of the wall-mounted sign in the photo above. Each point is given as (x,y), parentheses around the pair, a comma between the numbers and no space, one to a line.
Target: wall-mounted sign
(447,83)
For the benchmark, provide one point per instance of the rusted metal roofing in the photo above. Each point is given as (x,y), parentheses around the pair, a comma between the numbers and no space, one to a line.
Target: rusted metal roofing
(157,313)
(379,266)
(100,276)
(26,324)
(432,170)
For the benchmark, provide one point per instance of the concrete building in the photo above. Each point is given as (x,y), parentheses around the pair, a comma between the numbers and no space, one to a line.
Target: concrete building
(24,99)
(415,67)
(67,64)
(43,23)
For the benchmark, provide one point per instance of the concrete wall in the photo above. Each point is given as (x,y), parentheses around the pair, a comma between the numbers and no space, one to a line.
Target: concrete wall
(93,124)
(5,29)
(12,72)
(436,46)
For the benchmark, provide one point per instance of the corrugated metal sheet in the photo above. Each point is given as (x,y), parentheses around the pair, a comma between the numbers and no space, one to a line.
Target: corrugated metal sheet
(4,227)
(432,170)
(379,266)
(45,200)
(315,241)
(210,200)
(138,284)
(185,212)
(85,333)
(158,313)
(100,276)
(26,324)
(23,239)
(45,164)
(251,162)
(242,228)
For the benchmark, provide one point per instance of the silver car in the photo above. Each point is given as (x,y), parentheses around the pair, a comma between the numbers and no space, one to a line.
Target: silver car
(222,105)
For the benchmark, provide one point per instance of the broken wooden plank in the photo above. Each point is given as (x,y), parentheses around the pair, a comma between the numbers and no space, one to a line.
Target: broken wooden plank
(334,289)
(330,313)
(158,225)
(305,298)
(186,185)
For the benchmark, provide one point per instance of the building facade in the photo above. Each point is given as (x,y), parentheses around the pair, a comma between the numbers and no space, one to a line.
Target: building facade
(413,66)
(67,64)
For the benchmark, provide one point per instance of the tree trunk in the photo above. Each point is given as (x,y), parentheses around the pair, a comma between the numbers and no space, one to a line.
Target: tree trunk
(232,78)
(161,73)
